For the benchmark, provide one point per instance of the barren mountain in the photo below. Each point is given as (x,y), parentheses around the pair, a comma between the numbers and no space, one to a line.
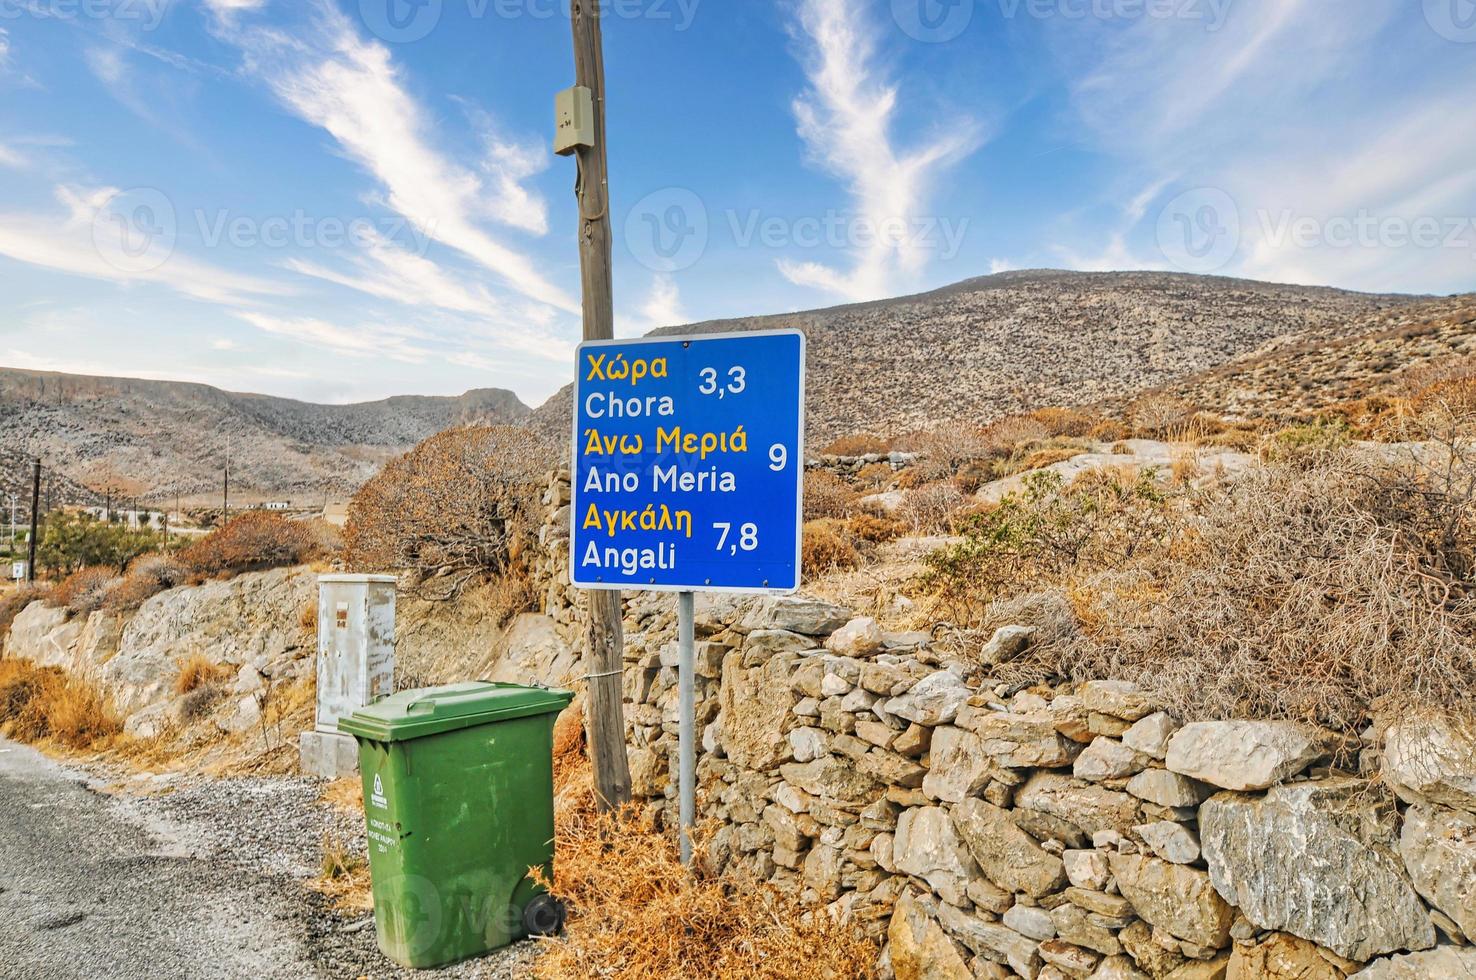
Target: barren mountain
(1000,344)
(1292,378)
(155,439)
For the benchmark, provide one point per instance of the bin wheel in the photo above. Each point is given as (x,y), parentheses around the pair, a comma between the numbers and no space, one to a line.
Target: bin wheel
(544,916)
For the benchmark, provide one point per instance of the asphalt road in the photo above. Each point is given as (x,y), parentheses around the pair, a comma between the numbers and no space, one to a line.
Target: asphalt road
(92,890)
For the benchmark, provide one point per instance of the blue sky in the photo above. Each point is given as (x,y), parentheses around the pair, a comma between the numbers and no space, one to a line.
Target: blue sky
(341,200)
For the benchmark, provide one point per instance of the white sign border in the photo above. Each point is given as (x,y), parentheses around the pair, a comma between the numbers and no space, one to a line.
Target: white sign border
(799,496)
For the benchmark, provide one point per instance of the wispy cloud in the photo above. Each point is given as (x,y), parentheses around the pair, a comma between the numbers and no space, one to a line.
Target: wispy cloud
(333,78)
(75,242)
(846,118)
(662,307)
(360,340)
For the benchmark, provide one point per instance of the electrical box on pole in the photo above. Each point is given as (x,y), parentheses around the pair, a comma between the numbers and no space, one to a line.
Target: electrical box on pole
(574,127)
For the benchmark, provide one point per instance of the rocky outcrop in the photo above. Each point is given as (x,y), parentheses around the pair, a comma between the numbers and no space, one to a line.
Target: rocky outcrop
(251,619)
(1318,861)
(1431,758)
(1439,849)
(1243,755)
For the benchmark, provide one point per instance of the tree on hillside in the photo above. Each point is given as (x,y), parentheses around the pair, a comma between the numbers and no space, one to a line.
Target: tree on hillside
(460,505)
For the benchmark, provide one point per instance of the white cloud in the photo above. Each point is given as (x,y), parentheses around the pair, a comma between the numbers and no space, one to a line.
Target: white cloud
(662,307)
(10,158)
(360,340)
(845,119)
(350,87)
(69,244)
(996,266)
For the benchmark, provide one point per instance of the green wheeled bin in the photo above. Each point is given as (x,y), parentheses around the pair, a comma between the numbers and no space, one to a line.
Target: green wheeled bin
(458,798)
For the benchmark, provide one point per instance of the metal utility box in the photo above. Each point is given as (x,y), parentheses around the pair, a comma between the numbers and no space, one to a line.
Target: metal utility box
(356,664)
(573,120)
(458,800)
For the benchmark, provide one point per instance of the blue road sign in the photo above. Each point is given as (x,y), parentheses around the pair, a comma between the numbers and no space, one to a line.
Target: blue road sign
(689,463)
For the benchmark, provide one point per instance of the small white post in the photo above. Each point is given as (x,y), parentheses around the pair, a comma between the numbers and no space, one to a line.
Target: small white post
(687,747)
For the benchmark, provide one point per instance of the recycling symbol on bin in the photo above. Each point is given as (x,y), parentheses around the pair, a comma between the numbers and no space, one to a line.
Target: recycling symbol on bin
(378,798)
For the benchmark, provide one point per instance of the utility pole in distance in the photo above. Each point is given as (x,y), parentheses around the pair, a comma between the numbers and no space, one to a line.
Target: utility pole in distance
(35,521)
(604,639)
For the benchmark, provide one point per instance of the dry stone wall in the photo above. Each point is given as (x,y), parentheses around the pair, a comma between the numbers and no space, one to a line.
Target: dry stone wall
(1074,832)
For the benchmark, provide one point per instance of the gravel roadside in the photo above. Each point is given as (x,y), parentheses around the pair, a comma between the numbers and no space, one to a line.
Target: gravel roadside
(181,876)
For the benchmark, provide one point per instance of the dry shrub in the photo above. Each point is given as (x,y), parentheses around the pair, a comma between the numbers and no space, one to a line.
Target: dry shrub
(255,541)
(146,577)
(1070,422)
(861,444)
(1007,434)
(510,594)
(929,509)
(456,508)
(1039,459)
(826,547)
(307,617)
(1317,592)
(637,914)
(84,591)
(945,450)
(827,496)
(1161,416)
(875,528)
(875,476)
(46,704)
(197,671)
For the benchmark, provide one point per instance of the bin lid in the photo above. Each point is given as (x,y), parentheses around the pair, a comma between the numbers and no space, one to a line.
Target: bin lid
(431,711)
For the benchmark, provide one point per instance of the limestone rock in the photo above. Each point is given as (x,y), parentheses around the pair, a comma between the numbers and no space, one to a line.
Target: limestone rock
(1120,699)
(1280,957)
(1086,806)
(1445,963)
(1087,869)
(1151,735)
(648,773)
(928,847)
(766,643)
(920,950)
(1431,758)
(1034,923)
(1173,842)
(932,701)
(755,710)
(1107,758)
(808,744)
(1168,788)
(1021,952)
(1071,960)
(959,766)
(1152,958)
(1293,859)
(1007,643)
(858,638)
(1439,851)
(533,652)
(1243,755)
(1118,968)
(1008,856)
(833,780)
(795,614)
(1176,899)
(1021,741)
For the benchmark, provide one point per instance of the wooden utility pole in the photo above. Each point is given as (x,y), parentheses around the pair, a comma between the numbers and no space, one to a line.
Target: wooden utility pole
(604,640)
(35,521)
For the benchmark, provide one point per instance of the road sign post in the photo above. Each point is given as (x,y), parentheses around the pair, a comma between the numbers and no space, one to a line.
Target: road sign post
(688,477)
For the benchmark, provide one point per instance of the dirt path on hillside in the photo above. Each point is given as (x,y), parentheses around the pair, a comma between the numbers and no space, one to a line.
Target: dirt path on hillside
(176,877)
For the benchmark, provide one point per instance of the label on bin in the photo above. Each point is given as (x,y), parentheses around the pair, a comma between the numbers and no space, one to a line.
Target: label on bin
(377,797)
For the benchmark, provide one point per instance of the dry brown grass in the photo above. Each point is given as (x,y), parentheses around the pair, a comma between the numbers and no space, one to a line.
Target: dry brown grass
(345,794)
(343,877)
(45,704)
(637,914)
(307,617)
(929,509)
(826,546)
(197,671)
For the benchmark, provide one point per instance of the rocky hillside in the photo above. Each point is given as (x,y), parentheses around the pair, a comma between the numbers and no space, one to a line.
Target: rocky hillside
(1294,377)
(161,438)
(999,344)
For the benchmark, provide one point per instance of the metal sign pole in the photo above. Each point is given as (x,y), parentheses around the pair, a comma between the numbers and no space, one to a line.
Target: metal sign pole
(687,748)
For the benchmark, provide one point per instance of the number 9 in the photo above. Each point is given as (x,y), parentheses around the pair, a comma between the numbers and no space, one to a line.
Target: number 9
(778,457)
